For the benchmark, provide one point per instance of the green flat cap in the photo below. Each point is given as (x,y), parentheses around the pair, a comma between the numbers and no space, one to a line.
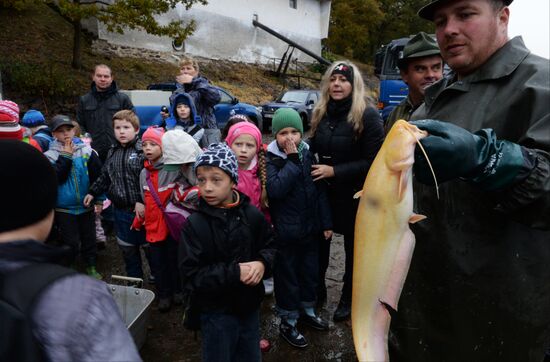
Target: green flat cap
(427,11)
(420,45)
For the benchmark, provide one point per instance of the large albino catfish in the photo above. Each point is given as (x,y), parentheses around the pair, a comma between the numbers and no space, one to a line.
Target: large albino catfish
(384,243)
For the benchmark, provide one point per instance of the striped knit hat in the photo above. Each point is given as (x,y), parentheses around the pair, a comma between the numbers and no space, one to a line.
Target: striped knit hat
(9,121)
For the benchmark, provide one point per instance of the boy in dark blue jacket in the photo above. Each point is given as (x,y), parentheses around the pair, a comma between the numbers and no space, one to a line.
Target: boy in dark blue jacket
(226,250)
(120,180)
(300,214)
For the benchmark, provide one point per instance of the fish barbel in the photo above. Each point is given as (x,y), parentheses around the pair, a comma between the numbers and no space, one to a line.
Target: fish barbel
(384,244)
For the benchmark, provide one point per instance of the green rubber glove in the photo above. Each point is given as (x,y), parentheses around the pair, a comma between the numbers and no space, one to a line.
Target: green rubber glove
(476,157)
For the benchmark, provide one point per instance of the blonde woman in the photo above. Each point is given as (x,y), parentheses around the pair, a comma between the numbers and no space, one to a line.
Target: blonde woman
(346,134)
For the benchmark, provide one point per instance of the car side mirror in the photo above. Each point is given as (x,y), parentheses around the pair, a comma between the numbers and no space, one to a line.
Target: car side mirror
(310,102)
(235,100)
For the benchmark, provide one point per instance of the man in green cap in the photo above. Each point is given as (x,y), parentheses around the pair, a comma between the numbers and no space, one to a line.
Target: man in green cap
(478,287)
(420,66)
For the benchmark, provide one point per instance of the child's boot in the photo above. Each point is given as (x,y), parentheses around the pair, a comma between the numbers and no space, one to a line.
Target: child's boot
(309,318)
(288,330)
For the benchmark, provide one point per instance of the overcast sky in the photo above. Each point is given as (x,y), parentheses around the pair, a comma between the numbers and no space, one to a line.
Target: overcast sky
(531,20)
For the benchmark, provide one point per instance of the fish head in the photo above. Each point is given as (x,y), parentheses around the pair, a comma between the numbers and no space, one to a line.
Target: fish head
(400,144)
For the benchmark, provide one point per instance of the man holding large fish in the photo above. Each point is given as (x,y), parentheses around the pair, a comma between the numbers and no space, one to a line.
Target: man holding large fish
(478,287)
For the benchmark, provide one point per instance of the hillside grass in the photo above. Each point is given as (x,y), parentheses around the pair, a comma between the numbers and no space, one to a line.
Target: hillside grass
(36,56)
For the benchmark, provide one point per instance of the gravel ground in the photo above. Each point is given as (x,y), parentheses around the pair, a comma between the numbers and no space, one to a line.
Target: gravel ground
(168,341)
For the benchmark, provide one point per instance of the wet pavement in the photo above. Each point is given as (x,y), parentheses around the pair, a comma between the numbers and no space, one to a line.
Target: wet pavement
(168,341)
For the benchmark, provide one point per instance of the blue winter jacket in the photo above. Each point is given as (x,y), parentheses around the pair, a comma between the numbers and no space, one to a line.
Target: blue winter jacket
(193,125)
(75,174)
(299,207)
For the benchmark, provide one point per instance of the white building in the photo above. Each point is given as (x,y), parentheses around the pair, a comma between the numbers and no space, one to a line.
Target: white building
(225,29)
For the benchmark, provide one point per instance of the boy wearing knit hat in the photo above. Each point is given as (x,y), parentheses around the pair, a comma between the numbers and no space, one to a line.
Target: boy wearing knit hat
(184,116)
(157,186)
(301,216)
(77,167)
(35,121)
(73,318)
(226,248)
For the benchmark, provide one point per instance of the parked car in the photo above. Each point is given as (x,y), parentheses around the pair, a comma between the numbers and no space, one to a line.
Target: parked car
(302,100)
(149,102)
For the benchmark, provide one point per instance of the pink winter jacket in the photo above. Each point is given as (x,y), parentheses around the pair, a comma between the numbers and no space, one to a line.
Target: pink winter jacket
(250,185)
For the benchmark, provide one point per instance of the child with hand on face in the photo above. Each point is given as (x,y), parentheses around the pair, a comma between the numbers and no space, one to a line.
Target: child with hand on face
(77,167)
(226,248)
(300,212)
(120,179)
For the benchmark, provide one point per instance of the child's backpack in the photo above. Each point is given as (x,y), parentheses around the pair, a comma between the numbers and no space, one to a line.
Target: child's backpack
(19,291)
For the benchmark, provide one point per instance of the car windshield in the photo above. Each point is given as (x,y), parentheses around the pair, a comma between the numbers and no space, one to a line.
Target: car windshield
(298,97)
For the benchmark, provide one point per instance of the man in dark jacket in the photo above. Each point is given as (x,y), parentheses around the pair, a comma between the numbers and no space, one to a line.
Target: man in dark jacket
(478,288)
(420,67)
(97,107)
(74,318)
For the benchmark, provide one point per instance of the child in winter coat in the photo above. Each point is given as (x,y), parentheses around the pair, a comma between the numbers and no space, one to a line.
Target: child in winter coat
(300,213)
(184,116)
(158,184)
(225,250)
(120,179)
(245,139)
(180,152)
(77,166)
(204,95)
(34,120)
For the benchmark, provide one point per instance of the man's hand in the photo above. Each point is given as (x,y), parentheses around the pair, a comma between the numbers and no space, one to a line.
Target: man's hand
(477,157)
(255,272)
(88,200)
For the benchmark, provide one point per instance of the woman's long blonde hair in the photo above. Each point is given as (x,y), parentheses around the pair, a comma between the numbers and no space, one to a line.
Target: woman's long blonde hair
(358,105)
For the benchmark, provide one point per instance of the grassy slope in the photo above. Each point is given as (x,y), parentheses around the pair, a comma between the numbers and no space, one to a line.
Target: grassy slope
(35,59)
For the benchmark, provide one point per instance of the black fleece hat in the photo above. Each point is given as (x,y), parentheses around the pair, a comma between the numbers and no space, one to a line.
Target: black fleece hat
(28,186)
(345,70)
(428,10)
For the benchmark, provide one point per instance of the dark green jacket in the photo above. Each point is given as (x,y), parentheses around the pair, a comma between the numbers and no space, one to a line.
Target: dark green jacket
(478,288)
(403,110)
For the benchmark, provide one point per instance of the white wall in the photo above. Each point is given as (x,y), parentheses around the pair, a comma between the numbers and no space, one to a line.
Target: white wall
(225,30)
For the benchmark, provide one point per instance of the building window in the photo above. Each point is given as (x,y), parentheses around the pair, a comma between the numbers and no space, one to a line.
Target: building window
(293,4)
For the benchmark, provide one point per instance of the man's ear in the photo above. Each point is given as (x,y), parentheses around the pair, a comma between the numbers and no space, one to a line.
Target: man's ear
(504,17)
(404,75)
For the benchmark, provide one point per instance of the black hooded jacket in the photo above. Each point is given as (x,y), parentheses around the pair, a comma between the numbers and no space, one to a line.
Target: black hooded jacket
(213,243)
(335,144)
(95,116)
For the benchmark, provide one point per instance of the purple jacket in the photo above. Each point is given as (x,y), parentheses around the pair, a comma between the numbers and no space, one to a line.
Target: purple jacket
(75,318)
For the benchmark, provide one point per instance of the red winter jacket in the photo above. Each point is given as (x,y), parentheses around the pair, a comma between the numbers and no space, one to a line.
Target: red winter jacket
(164,183)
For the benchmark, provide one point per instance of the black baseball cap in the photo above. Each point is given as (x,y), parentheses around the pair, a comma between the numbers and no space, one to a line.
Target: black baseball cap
(60,120)
(427,11)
